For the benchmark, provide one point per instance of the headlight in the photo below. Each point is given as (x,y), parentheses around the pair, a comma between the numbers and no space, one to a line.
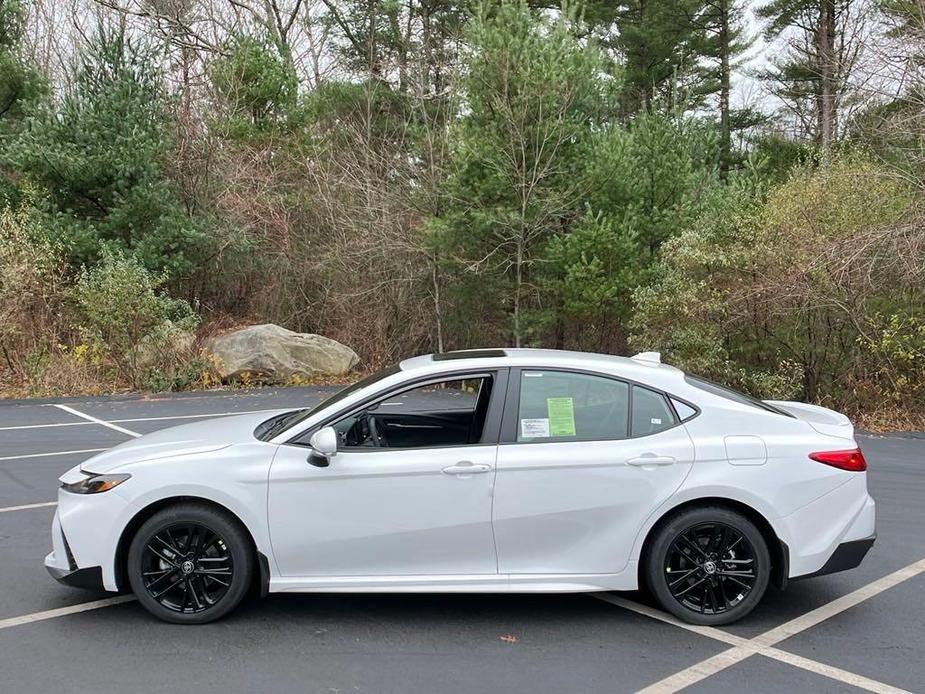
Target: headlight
(94,484)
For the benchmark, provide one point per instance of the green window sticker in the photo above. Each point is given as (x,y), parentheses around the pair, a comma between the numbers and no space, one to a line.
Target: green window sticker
(561,416)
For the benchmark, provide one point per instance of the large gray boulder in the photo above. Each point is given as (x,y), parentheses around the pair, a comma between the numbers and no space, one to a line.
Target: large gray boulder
(270,352)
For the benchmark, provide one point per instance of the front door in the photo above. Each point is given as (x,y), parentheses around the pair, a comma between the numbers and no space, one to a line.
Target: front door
(584,460)
(408,493)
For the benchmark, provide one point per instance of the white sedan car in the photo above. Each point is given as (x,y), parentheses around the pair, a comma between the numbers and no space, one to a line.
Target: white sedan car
(479,471)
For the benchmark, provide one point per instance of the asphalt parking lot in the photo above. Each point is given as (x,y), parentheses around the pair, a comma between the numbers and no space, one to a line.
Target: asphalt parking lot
(858,630)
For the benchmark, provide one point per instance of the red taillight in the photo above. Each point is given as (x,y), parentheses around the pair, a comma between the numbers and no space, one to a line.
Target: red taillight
(852,460)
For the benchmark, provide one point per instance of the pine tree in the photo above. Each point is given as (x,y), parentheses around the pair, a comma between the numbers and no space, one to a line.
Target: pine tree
(21,87)
(725,40)
(533,91)
(660,42)
(99,156)
(813,75)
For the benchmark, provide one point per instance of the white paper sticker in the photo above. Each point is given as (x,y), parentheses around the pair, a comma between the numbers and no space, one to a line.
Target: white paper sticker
(655,420)
(534,428)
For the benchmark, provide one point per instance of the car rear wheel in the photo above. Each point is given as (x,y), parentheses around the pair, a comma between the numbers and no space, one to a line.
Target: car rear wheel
(708,565)
(190,564)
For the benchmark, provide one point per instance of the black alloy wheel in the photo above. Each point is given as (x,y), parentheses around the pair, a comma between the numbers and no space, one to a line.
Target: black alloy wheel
(708,565)
(710,568)
(187,567)
(190,563)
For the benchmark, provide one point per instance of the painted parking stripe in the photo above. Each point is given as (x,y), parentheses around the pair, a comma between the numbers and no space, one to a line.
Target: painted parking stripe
(833,673)
(63,611)
(651,612)
(139,419)
(26,507)
(763,643)
(52,453)
(830,609)
(47,426)
(783,656)
(95,420)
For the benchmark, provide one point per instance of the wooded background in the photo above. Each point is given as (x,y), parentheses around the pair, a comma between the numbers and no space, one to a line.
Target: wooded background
(738,185)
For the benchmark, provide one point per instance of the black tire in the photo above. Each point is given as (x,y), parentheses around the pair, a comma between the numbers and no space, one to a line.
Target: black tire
(708,566)
(190,564)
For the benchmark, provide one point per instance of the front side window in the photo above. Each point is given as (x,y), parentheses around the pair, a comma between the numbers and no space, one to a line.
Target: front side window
(449,413)
(564,406)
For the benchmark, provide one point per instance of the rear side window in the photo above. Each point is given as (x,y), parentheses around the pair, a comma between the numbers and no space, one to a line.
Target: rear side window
(563,406)
(651,412)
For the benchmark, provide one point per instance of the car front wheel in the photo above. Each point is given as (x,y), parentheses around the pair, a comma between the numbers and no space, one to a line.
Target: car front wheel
(190,564)
(708,565)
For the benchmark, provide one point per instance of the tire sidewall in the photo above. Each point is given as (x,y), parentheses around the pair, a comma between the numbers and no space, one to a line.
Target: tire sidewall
(235,538)
(655,560)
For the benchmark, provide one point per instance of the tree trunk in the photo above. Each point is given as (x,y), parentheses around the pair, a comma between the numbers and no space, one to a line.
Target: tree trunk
(518,281)
(438,313)
(725,131)
(828,70)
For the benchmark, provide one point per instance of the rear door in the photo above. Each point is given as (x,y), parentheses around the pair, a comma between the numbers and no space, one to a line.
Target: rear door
(584,460)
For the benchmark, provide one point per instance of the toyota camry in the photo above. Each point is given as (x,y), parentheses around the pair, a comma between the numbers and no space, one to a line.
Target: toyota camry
(506,471)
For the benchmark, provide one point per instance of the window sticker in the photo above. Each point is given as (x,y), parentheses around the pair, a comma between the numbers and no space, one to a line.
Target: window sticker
(655,420)
(533,374)
(534,428)
(561,416)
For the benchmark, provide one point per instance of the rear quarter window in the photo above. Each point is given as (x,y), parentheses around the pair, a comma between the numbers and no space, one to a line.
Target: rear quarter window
(651,413)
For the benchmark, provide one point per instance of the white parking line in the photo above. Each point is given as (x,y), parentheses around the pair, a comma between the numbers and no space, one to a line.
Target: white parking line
(25,507)
(763,643)
(46,455)
(95,420)
(138,419)
(830,609)
(47,426)
(197,416)
(832,672)
(63,611)
(733,655)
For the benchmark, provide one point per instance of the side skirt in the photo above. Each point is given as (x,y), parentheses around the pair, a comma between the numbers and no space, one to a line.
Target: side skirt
(479,583)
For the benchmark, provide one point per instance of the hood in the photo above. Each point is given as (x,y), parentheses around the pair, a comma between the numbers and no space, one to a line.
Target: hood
(186,439)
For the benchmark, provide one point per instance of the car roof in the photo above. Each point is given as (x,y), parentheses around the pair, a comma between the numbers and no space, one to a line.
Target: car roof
(645,367)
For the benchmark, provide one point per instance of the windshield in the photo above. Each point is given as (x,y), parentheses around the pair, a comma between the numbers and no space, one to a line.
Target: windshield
(734,395)
(279,423)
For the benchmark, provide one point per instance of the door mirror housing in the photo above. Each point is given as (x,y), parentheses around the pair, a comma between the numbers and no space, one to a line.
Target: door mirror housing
(324,446)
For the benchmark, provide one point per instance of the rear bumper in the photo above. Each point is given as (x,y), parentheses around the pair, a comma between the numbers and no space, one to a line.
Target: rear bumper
(846,556)
(823,533)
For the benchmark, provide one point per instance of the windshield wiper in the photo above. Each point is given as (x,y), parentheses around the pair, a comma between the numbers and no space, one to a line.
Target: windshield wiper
(278,423)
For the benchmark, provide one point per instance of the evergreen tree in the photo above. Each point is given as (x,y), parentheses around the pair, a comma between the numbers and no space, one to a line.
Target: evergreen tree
(533,92)
(812,77)
(99,158)
(725,41)
(21,87)
(661,42)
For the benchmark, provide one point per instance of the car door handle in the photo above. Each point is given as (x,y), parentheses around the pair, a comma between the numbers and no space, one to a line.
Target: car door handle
(653,460)
(466,468)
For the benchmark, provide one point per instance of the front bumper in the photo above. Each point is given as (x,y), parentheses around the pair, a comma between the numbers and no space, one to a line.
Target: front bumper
(90,578)
(62,566)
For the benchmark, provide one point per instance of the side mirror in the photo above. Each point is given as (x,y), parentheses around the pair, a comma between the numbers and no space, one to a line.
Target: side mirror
(324,447)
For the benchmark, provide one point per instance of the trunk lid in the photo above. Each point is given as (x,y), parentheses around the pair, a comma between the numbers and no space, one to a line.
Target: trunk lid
(822,419)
